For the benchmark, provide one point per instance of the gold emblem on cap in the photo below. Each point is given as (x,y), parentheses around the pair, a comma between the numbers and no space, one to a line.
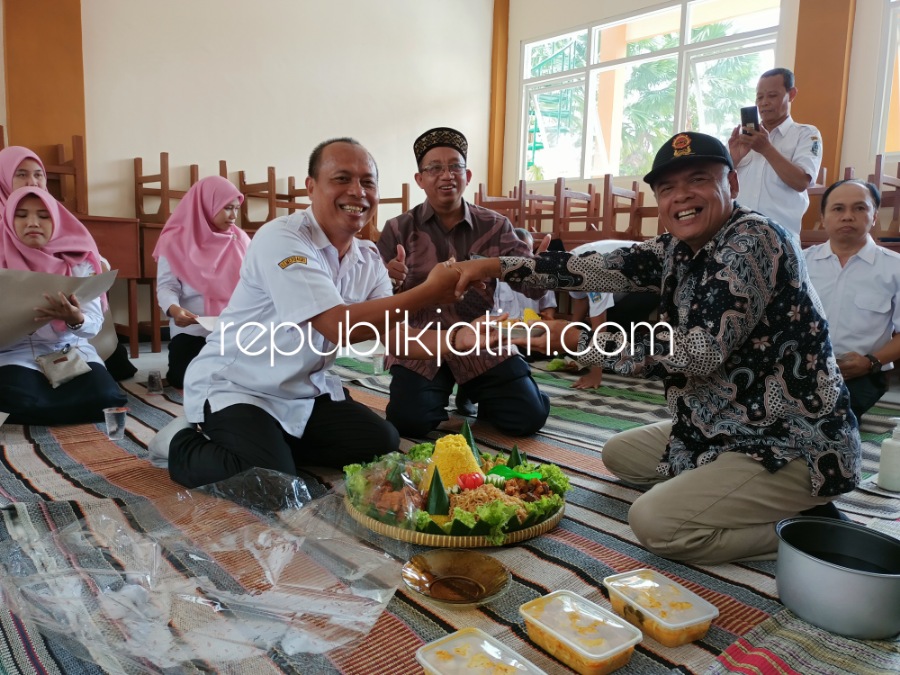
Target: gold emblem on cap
(682,145)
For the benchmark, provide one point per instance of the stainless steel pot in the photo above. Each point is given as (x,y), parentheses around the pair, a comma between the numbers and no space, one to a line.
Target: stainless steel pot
(840,576)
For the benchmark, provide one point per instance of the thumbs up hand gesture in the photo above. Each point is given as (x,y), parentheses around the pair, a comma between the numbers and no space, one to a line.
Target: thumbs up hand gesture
(397,269)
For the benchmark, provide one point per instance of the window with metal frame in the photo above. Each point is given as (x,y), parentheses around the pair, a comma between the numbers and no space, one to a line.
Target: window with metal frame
(602,98)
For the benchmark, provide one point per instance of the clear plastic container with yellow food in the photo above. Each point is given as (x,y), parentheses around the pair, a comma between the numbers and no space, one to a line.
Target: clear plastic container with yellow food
(663,609)
(473,652)
(587,638)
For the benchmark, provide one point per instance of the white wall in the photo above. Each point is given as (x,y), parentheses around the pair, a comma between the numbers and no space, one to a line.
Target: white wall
(260,83)
(529,20)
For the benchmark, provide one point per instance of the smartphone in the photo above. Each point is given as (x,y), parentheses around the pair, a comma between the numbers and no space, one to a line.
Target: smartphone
(749,118)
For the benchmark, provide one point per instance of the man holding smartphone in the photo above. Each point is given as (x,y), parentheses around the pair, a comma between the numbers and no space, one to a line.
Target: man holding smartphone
(780,158)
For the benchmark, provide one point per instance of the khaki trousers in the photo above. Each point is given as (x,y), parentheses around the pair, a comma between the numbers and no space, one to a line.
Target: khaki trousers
(719,512)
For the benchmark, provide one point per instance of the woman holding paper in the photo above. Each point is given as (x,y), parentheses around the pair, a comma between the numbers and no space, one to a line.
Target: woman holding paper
(20,167)
(35,238)
(199,257)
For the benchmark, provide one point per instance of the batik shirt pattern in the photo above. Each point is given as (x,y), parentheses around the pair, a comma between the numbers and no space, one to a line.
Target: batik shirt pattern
(747,366)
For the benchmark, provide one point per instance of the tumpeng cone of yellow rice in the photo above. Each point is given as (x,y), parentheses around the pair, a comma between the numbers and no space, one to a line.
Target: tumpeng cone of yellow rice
(453,458)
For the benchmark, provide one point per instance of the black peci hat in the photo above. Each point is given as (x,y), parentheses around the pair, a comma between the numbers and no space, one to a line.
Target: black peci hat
(437,138)
(686,147)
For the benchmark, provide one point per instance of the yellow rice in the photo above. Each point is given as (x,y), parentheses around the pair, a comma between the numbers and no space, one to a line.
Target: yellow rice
(453,458)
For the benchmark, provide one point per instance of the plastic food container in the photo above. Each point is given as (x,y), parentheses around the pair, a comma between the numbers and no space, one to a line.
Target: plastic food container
(471,650)
(665,610)
(587,638)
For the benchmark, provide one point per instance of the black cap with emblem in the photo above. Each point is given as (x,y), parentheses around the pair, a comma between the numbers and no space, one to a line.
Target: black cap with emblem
(686,147)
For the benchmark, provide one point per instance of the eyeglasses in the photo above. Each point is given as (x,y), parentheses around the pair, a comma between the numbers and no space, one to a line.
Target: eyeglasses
(435,170)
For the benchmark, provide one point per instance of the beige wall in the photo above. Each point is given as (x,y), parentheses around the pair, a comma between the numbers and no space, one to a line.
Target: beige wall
(529,21)
(863,116)
(260,83)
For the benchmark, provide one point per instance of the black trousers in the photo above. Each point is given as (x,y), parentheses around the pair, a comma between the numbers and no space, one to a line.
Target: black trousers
(507,397)
(865,392)
(183,349)
(29,399)
(243,436)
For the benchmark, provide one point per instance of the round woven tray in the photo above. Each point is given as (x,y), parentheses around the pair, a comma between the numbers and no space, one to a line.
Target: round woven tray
(444,540)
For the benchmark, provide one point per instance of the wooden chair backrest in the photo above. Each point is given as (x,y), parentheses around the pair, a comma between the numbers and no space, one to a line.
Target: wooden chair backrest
(890,195)
(67,178)
(513,207)
(164,192)
(815,192)
(539,209)
(612,207)
(371,231)
(571,206)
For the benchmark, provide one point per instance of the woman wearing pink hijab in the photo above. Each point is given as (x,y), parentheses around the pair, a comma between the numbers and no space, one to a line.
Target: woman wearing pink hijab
(199,256)
(20,167)
(34,237)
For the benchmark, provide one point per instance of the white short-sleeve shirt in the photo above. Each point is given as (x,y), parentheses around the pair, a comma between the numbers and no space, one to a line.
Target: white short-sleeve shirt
(265,351)
(762,190)
(170,290)
(506,299)
(861,299)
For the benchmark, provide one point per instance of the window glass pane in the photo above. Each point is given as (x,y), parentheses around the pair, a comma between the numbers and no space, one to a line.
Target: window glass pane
(554,131)
(711,19)
(642,35)
(556,55)
(632,112)
(719,86)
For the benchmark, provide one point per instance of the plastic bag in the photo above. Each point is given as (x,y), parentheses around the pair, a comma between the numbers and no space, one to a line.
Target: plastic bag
(221,574)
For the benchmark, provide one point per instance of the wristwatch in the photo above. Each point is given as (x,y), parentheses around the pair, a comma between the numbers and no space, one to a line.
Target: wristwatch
(876,364)
(74,326)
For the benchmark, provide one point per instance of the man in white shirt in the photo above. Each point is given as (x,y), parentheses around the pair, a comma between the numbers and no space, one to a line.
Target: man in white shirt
(262,390)
(859,285)
(779,161)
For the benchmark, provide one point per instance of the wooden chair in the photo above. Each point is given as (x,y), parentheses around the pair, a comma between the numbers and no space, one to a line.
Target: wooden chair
(67,178)
(118,240)
(513,207)
(371,231)
(612,207)
(539,210)
(164,192)
(571,207)
(815,192)
(151,225)
(264,190)
(890,195)
(636,218)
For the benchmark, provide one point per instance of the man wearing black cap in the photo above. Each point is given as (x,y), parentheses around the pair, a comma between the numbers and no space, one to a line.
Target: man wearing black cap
(761,425)
(445,226)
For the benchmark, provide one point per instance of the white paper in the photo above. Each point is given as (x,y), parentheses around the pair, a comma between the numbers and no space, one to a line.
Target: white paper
(22,291)
(208,322)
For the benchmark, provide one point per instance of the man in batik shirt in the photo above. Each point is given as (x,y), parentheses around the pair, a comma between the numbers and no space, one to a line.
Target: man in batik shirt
(761,424)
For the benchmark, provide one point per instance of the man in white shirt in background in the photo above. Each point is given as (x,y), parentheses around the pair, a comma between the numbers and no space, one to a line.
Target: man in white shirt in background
(859,285)
(777,162)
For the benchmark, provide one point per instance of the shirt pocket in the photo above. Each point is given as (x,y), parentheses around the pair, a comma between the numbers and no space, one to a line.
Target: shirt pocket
(874,303)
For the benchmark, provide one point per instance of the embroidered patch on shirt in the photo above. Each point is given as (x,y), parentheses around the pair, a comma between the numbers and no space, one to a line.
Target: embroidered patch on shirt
(292,260)
(815,148)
